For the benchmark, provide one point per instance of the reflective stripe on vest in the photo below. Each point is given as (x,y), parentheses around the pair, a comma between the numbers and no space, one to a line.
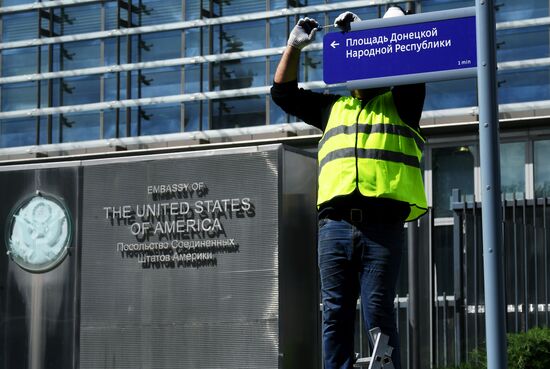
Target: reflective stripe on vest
(372,149)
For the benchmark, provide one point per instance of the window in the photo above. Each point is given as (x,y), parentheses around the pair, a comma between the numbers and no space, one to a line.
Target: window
(278,4)
(541,168)
(79,90)
(110,86)
(192,9)
(80,19)
(235,37)
(525,9)
(157,82)
(312,64)
(193,115)
(233,7)
(110,15)
(18,96)
(451,94)
(16,27)
(45,65)
(76,127)
(276,114)
(110,125)
(434,5)
(111,51)
(160,11)
(234,74)
(238,112)
(17,132)
(524,85)
(19,61)
(160,119)
(193,81)
(77,55)
(368,12)
(192,42)
(522,44)
(16,2)
(159,46)
(453,167)
(512,172)
(278,35)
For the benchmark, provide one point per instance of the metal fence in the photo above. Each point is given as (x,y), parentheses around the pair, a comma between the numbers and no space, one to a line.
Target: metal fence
(440,303)
(460,318)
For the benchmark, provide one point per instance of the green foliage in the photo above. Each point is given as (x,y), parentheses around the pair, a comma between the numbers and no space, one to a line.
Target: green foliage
(477,360)
(529,350)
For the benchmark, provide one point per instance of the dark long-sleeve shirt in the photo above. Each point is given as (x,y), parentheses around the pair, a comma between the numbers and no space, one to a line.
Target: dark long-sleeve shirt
(314,108)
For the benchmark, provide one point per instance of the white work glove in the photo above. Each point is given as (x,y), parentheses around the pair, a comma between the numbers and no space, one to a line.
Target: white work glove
(303,33)
(344,20)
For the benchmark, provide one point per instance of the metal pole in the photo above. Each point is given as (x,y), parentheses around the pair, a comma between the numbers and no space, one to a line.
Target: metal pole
(129,74)
(458,266)
(414,308)
(490,180)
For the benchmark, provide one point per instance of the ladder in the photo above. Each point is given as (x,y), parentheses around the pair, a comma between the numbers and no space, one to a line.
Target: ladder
(381,353)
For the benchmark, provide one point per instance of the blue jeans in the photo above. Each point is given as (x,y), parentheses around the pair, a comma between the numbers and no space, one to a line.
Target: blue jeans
(357,259)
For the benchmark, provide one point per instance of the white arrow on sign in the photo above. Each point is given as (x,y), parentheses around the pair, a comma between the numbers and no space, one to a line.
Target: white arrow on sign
(334,44)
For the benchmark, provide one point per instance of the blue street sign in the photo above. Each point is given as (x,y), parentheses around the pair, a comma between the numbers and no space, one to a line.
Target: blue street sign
(413,48)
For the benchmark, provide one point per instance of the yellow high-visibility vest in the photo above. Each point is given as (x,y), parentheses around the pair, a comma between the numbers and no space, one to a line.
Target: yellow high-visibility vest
(371,149)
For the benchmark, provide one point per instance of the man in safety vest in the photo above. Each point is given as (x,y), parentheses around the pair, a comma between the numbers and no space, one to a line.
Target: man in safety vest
(370,183)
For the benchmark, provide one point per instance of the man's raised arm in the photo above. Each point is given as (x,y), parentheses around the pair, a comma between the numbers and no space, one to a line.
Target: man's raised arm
(302,35)
(309,106)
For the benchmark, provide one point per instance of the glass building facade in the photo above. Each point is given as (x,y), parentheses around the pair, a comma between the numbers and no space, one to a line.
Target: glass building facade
(73,71)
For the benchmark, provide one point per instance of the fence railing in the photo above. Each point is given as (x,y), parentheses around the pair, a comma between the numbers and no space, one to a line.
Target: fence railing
(526,244)
(440,303)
